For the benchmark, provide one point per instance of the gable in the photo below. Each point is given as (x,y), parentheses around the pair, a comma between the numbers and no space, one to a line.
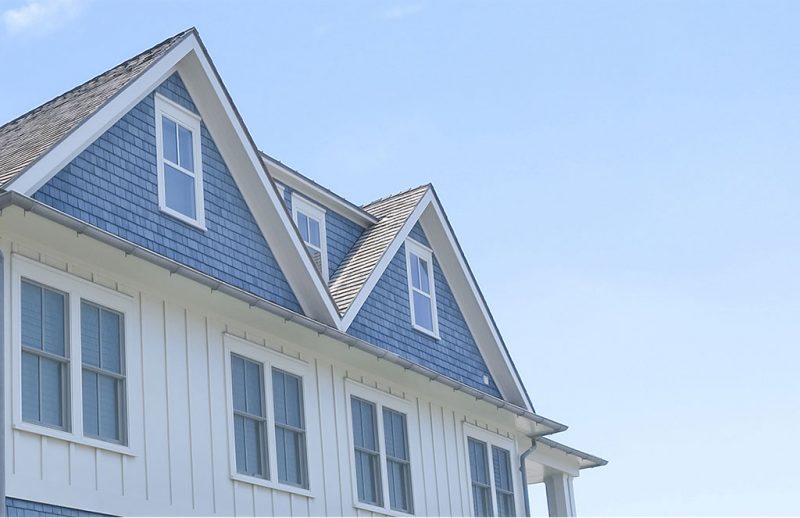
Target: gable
(385,320)
(113,185)
(342,233)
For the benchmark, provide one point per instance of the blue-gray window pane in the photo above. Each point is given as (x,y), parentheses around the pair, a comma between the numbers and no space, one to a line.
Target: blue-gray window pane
(254,447)
(90,334)
(179,191)
(422,311)
(241,454)
(52,386)
(289,427)
(313,232)
(397,460)
(111,341)
(415,282)
(30,387)
(367,458)
(504,489)
(108,403)
(170,137)
(248,417)
(54,321)
(479,473)
(368,478)
(31,315)
(424,283)
(302,226)
(253,390)
(91,424)
(185,148)
(237,373)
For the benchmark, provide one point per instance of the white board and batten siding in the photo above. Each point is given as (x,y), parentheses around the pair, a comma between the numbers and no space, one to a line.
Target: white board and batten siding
(178,458)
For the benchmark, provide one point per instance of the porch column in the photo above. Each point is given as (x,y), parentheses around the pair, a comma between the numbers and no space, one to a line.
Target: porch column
(560,496)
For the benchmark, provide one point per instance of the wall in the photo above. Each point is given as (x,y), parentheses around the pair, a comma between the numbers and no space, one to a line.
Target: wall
(182,464)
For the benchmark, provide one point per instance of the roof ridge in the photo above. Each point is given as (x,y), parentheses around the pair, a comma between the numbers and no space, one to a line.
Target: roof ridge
(98,76)
(396,195)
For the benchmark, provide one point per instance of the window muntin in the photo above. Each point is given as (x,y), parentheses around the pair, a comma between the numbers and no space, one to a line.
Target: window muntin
(504,486)
(290,434)
(103,376)
(479,475)
(179,162)
(45,355)
(398,460)
(249,417)
(367,452)
(422,298)
(310,221)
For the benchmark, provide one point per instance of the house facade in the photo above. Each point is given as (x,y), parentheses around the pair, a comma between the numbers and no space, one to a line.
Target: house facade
(191,327)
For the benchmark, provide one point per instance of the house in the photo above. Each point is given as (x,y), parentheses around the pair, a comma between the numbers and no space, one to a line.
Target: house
(191,327)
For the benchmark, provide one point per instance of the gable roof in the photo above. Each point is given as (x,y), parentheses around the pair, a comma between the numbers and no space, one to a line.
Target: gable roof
(25,139)
(89,110)
(392,213)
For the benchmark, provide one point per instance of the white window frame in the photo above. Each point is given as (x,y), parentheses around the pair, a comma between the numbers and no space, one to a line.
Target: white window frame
(269,358)
(383,399)
(423,252)
(190,120)
(501,441)
(78,289)
(300,204)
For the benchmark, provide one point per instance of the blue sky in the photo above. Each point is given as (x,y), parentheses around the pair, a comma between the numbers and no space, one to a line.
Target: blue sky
(623,177)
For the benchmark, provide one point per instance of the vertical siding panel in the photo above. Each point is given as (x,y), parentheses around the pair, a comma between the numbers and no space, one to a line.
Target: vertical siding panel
(300,505)
(199,412)
(154,388)
(346,476)
(281,503)
(56,463)
(218,419)
(442,485)
(109,472)
(178,406)
(263,501)
(463,470)
(243,499)
(28,458)
(428,460)
(452,464)
(331,493)
(83,467)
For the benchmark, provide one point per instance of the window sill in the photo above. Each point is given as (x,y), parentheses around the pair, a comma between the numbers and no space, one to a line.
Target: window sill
(424,331)
(272,485)
(75,439)
(379,510)
(198,224)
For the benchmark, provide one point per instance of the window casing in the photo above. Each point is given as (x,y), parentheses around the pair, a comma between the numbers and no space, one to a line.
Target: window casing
(67,383)
(421,288)
(492,465)
(384,454)
(310,221)
(267,397)
(179,162)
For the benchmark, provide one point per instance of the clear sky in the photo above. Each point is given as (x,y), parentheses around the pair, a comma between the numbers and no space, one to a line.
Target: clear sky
(623,176)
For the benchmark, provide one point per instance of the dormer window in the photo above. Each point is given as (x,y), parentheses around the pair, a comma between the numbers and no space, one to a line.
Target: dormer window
(422,296)
(180,172)
(310,221)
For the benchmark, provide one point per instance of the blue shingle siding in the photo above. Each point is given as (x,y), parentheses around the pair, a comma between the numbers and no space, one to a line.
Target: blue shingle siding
(17,507)
(385,320)
(113,185)
(342,233)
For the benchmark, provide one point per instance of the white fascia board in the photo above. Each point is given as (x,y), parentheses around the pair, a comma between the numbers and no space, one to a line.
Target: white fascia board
(190,59)
(472,304)
(90,130)
(291,178)
(385,259)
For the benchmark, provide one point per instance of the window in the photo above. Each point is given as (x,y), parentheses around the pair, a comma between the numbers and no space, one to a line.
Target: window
(310,221)
(382,451)
(421,293)
(479,473)
(249,417)
(290,435)
(103,353)
(69,359)
(491,484)
(268,423)
(45,355)
(180,175)
(504,487)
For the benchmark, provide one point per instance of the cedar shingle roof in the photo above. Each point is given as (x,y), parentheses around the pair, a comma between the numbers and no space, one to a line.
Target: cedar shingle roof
(361,260)
(25,139)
